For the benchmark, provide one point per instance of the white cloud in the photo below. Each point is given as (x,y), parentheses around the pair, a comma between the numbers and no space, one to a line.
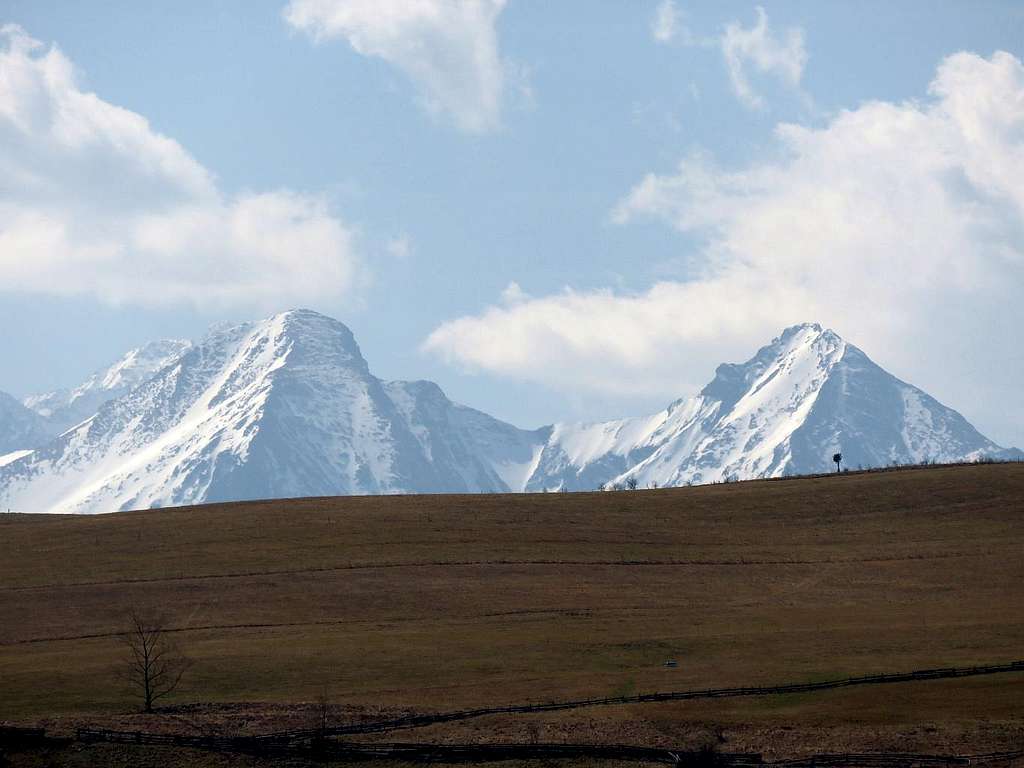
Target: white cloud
(742,49)
(897,224)
(399,247)
(767,53)
(667,22)
(448,48)
(513,294)
(668,25)
(94,202)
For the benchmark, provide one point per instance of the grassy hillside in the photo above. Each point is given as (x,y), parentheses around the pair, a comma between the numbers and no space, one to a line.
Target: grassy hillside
(438,602)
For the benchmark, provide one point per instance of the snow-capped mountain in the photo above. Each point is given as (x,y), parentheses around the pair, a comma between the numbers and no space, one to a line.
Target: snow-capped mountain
(807,395)
(288,407)
(20,428)
(65,408)
(284,407)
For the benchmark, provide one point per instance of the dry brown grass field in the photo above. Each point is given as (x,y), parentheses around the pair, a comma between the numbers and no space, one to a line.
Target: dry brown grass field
(426,603)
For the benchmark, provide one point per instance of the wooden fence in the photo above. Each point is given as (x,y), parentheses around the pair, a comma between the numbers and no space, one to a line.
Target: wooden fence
(419,721)
(322,741)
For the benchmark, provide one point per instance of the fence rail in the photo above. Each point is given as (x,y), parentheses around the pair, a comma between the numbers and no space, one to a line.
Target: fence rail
(420,721)
(322,740)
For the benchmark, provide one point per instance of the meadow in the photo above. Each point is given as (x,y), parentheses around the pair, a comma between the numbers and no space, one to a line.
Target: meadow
(383,605)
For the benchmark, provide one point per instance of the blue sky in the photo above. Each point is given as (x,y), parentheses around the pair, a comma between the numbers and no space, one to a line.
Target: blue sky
(554,210)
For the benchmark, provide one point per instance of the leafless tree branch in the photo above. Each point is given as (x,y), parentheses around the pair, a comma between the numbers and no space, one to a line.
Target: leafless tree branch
(155,665)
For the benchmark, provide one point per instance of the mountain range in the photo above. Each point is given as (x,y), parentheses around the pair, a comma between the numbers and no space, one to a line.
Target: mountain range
(288,407)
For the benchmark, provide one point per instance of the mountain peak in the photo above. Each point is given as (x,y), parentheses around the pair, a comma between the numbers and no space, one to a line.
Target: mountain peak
(799,327)
(808,331)
(732,380)
(303,312)
(809,327)
(303,336)
(282,407)
(287,406)
(307,321)
(66,407)
(315,338)
(20,428)
(137,364)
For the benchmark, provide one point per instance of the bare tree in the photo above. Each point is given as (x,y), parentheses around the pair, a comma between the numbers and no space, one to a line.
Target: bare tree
(155,665)
(631,483)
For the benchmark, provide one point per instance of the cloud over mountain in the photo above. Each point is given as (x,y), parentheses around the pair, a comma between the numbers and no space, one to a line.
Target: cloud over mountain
(901,220)
(288,407)
(94,201)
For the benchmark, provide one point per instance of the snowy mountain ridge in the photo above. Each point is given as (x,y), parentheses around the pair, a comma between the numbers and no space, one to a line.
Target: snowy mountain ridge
(288,407)
(65,408)
(806,395)
(20,428)
(284,407)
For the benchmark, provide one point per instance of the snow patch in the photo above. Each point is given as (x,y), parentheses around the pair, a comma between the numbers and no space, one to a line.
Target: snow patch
(13,456)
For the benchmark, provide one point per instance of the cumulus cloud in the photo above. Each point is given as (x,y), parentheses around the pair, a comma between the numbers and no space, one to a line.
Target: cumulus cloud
(897,224)
(760,48)
(448,48)
(93,201)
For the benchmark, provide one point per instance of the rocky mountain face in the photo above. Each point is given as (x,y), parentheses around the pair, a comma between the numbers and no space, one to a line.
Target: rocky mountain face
(803,397)
(288,407)
(20,428)
(65,408)
(282,408)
